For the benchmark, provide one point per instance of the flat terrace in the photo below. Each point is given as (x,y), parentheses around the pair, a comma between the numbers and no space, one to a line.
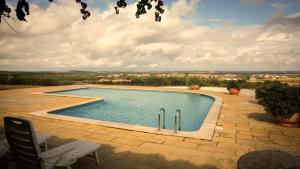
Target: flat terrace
(242,127)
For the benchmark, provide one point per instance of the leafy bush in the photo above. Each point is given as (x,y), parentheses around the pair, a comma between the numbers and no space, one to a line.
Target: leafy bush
(233,84)
(264,89)
(278,99)
(295,99)
(195,81)
(177,81)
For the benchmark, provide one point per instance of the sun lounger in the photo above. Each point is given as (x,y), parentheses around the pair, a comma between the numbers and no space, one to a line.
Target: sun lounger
(24,147)
(73,151)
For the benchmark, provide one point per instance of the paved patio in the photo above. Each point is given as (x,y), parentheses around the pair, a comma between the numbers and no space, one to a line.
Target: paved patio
(243,126)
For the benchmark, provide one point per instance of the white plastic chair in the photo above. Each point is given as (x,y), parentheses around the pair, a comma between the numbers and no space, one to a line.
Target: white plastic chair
(24,146)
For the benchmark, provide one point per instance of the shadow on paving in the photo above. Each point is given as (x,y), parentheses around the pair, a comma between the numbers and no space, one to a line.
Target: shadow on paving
(263,117)
(2,133)
(254,102)
(269,159)
(109,159)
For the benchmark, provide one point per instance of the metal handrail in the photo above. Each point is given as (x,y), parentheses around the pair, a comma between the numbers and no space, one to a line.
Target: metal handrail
(177,121)
(179,118)
(158,122)
(164,119)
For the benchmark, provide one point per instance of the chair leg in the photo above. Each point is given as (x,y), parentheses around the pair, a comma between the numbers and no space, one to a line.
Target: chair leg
(96,157)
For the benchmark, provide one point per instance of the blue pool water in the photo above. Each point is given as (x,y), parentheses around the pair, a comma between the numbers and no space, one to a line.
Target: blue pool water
(140,107)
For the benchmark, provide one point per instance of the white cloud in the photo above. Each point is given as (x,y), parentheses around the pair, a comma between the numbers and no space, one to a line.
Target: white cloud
(253,2)
(58,39)
(289,23)
(294,15)
(131,66)
(279,37)
(183,7)
(154,65)
(281,6)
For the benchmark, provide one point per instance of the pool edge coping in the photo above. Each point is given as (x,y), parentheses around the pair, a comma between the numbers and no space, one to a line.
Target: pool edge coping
(205,132)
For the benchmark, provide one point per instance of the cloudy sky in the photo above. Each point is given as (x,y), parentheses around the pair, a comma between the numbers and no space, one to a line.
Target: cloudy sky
(193,35)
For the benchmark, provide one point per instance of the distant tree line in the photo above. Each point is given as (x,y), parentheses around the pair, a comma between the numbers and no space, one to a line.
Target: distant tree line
(42,78)
(69,78)
(175,81)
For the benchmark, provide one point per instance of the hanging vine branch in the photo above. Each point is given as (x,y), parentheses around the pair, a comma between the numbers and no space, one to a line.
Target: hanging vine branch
(4,10)
(22,7)
(85,13)
(120,4)
(142,7)
(21,11)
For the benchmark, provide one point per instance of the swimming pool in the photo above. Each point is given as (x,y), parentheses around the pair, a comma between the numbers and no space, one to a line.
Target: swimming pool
(139,107)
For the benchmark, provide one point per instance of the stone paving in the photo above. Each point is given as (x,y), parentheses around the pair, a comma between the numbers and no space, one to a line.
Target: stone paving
(243,126)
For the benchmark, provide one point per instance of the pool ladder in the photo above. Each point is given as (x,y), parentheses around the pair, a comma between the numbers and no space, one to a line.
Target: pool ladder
(177,120)
(163,111)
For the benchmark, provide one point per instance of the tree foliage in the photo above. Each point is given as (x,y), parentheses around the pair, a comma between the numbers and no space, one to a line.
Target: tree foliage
(142,7)
(4,10)
(22,8)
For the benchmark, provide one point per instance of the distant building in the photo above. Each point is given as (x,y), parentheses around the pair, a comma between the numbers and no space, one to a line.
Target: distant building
(202,75)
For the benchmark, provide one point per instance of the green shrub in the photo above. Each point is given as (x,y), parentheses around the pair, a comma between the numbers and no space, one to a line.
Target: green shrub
(278,99)
(233,84)
(264,89)
(295,99)
(177,81)
(251,85)
(195,81)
